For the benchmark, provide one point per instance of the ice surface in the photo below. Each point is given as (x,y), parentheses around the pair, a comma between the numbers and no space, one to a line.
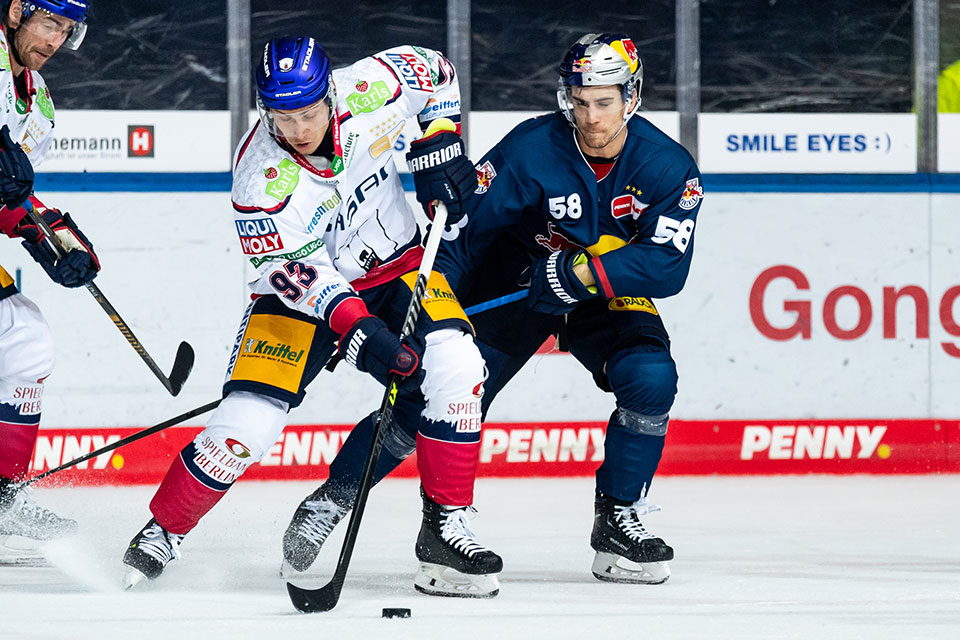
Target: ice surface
(757,557)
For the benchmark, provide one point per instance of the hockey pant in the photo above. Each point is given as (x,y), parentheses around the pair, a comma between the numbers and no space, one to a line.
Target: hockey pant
(26,359)
(440,419)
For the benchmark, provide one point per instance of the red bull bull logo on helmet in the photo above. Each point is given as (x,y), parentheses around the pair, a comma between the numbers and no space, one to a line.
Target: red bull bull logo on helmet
(628,50)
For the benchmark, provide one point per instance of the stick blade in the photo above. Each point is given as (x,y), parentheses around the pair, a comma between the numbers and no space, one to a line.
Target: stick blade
(314,600)
(182,366)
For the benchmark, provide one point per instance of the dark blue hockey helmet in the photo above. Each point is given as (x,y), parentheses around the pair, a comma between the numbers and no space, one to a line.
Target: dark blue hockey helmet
(601,59)
(75,10)
(294,73)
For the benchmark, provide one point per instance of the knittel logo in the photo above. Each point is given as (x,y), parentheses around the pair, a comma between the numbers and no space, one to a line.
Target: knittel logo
(254,347)
(140,141)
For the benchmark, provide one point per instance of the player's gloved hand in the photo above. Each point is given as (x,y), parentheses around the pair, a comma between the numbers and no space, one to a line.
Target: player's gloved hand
(369,346)
(80,264)
(441,171)
(16,172)
(554,288)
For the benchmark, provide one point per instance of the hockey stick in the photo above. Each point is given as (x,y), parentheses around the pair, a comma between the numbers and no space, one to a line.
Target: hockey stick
(326,597)
(183,362)
(497,302)
(125,441)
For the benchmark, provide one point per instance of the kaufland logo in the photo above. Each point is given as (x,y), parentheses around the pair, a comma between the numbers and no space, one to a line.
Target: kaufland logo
(807,442)
(140,141)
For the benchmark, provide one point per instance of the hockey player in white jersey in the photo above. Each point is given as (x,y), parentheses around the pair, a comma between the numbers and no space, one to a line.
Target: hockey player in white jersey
(32,31)
(320,212)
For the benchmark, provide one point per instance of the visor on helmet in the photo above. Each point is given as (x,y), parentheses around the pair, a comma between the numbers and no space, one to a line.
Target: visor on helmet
(75,10)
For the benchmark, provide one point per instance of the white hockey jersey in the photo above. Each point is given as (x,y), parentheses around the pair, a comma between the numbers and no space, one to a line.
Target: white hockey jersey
(30,117)
(316,229)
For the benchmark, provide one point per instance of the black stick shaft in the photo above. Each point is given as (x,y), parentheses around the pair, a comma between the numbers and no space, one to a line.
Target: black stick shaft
(173,387)
(326,597)
(139,435)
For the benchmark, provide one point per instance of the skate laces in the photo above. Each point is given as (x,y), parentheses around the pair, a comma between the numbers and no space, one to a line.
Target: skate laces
(628,518)
(160,544)
(322,516)
(456,531)
(24,508)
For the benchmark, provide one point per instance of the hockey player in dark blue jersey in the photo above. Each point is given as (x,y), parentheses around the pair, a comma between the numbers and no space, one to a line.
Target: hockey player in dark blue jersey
(593,209)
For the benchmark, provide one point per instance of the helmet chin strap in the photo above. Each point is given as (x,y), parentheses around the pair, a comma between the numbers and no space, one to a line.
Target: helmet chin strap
(11,38)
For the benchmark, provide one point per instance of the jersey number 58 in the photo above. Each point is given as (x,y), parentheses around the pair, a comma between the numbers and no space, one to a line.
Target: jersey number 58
(679,231)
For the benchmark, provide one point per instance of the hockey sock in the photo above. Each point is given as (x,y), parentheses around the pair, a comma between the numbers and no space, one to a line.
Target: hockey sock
(18,433)
(347,467)
(630,461)
(447,462)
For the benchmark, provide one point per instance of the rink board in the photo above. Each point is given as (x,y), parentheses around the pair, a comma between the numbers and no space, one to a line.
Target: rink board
(553,450)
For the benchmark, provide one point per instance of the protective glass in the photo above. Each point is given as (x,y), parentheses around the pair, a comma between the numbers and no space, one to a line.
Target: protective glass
(45,25)
(282,123)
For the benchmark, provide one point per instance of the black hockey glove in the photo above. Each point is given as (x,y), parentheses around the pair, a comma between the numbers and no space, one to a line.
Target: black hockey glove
(369,346)
(78,267)
(16,172)
(441,171)
(554,288)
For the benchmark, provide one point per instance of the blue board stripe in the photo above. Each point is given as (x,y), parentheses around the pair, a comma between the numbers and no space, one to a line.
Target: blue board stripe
(712,182)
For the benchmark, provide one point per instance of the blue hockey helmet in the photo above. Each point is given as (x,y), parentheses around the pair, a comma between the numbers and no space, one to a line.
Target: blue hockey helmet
(75,10)
(601,59)
(294,73)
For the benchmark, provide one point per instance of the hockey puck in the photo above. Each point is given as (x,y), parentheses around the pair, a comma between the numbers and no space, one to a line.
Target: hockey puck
(395,613)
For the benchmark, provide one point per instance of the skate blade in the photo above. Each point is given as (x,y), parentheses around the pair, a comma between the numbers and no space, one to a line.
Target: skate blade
(311,573)
(438,580)
(610,567)
(20,551)
(132,578)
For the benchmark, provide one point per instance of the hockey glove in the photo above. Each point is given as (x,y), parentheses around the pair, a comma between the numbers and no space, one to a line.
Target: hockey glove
(369,346)
(554,288)
(16,172)
(80,264)
(441,171)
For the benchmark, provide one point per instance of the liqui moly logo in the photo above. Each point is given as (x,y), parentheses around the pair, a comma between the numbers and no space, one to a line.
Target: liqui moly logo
(258,236)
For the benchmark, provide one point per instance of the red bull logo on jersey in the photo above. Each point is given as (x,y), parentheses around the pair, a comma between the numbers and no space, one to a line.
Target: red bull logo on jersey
(485,175)
(258,236)
(554,240)
(692,193)
(413,71)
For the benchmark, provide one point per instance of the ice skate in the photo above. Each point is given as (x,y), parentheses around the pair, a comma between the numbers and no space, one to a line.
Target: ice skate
(309,528)
(25,525)
(626,551)
(149,553)
(452,562)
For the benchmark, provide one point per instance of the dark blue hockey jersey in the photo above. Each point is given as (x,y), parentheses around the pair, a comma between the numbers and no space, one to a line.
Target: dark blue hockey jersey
(537,188)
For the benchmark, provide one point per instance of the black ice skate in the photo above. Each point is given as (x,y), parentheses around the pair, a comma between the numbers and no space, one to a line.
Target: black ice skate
(452,562)
(149,553)
(626,551)
(312,523)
